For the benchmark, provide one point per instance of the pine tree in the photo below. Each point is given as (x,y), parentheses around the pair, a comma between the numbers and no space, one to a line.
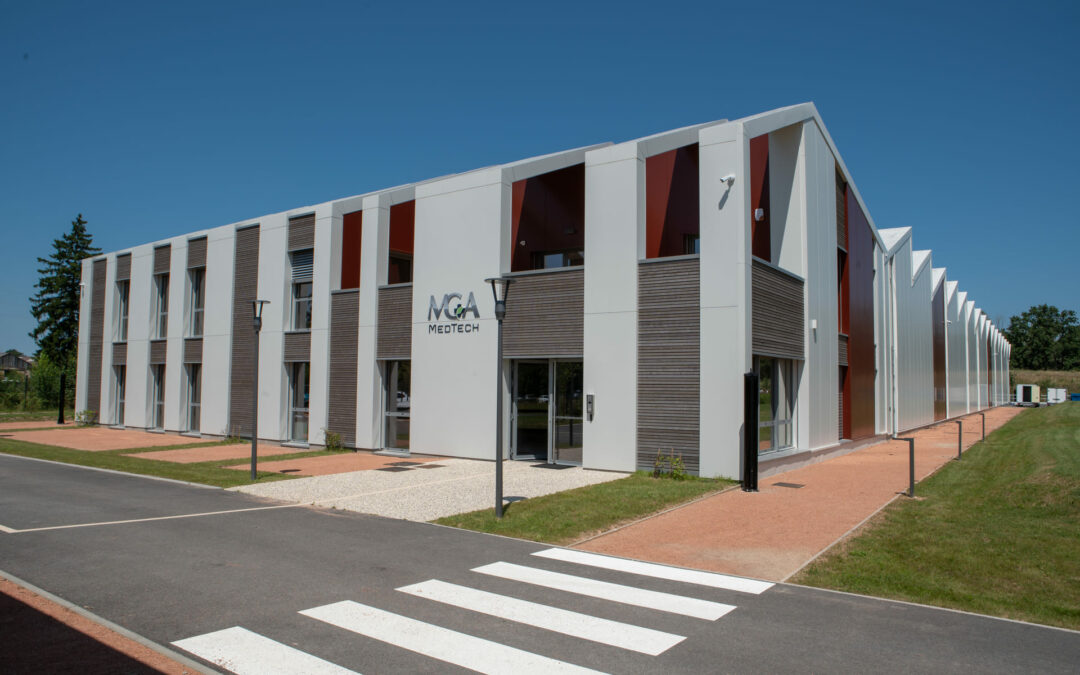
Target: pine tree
(56,303)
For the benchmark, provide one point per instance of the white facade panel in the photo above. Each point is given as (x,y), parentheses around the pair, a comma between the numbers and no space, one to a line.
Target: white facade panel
(217,331)
(615,218)
(275,285)
(82,363)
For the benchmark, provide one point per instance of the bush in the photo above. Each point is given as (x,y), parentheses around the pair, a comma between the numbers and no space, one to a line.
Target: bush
(671,466)
(333,441)
(86,418)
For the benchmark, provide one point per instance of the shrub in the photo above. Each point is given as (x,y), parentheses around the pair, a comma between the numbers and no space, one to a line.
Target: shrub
(333,441)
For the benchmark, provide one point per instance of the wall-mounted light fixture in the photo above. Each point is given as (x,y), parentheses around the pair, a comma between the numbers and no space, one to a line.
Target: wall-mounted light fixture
(728,180)
(759,215)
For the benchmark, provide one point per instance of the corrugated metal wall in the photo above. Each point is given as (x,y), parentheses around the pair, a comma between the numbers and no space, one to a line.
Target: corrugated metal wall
(344,326)
(545,315)
(669,361)
(394,331)
(245,288)
(914,349)
(97,335)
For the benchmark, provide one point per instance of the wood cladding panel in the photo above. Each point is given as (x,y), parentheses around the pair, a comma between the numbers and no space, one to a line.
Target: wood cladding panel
(669,362)
(97,335)
(298,347)
(119,354)
(196,252)
(779,328)
(394,332)
(245,287)
(162,259)
(344,326)
(941,381)
(862,369)
(302,232)
(157,351)
(123,267)
(193,350)
(545,315)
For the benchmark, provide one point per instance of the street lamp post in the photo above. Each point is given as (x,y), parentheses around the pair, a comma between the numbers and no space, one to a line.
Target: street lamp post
(499,287)
(256,312)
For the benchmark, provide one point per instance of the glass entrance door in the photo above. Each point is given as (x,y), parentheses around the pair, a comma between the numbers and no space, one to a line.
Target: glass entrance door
(567,422)
(396,391)
(547,413)
(532,394)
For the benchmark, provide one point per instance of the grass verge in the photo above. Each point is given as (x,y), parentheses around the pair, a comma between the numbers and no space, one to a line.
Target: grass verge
(34,415)
(207,473)
(994,534)
(566,517)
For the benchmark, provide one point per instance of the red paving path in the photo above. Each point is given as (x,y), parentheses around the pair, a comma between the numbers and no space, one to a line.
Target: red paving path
(102,438)
(772,533)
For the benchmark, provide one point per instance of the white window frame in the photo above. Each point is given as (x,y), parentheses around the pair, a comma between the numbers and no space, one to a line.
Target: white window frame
(161,305)
(197,313)
(123,291)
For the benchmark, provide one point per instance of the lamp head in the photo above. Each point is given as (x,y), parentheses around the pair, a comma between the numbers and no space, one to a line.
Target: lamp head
(256,312)
(499,289)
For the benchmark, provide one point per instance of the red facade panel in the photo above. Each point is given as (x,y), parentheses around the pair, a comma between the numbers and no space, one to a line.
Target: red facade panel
(861,349)
(402,226)
(761,238)
(351,231)
(940,376)
(672,221)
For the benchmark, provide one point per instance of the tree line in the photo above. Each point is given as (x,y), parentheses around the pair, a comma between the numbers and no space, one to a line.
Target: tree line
(1044,338)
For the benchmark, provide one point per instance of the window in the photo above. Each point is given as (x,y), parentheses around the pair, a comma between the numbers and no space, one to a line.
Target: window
(194,395)
(397,380)
(548,220)
(119,374)
(302,264)
(197,280)
(122,309)
(672,208)
(161,305)
(692,244)
(402,229)
(299,390)
(159,396)
(776,403)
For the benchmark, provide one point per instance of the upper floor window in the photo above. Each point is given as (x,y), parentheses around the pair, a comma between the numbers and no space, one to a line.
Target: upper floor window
(672,211)
(302,267)
(197,281)
(402,226)
(161,305)
(122,310)
(548,220)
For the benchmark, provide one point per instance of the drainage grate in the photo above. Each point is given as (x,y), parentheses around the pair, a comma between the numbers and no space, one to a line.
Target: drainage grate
(405,463)
(431,466)
(395,468)
(790,485)
(557,467)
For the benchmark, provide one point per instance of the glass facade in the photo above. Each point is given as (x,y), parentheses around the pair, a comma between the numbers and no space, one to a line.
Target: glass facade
(197,278)
(161,305)
(397,379)
(194,395)
(299,394)
(776,403)
(158,373)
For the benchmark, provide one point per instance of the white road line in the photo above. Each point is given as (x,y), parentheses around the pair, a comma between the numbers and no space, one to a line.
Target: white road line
(147,520)
(439,643)
(711,579)
(241,651)
(628,595)
(7,530)
(575,624)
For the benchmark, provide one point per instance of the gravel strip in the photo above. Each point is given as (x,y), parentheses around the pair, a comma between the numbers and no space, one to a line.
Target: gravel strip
(458,486)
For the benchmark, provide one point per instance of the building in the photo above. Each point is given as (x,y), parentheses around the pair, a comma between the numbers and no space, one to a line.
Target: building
(12,361)
(648,277)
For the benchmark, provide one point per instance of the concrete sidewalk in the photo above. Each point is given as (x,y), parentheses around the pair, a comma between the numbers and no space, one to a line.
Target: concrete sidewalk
(772,533)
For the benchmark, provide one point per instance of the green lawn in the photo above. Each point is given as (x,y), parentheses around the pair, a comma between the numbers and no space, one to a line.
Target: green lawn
(997,533)
(207,473)
(34,415)
(570,516)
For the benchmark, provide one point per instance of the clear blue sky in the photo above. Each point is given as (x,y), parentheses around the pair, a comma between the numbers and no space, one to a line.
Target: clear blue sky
(153,119)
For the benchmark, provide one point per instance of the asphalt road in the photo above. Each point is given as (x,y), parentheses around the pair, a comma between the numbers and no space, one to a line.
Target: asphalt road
(109,543)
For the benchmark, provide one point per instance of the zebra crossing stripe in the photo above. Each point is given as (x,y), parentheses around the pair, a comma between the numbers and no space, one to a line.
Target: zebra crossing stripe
(628,595)
(575,624)
(241,651)
(437,642)
(711,579)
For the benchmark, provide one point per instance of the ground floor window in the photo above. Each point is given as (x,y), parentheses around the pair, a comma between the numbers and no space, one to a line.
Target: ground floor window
(158,375)
(776,403)
(120,376)
(299,392)
(397,381)
(194,395)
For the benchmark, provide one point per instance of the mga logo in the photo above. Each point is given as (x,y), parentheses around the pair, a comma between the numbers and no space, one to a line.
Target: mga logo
(452,308)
